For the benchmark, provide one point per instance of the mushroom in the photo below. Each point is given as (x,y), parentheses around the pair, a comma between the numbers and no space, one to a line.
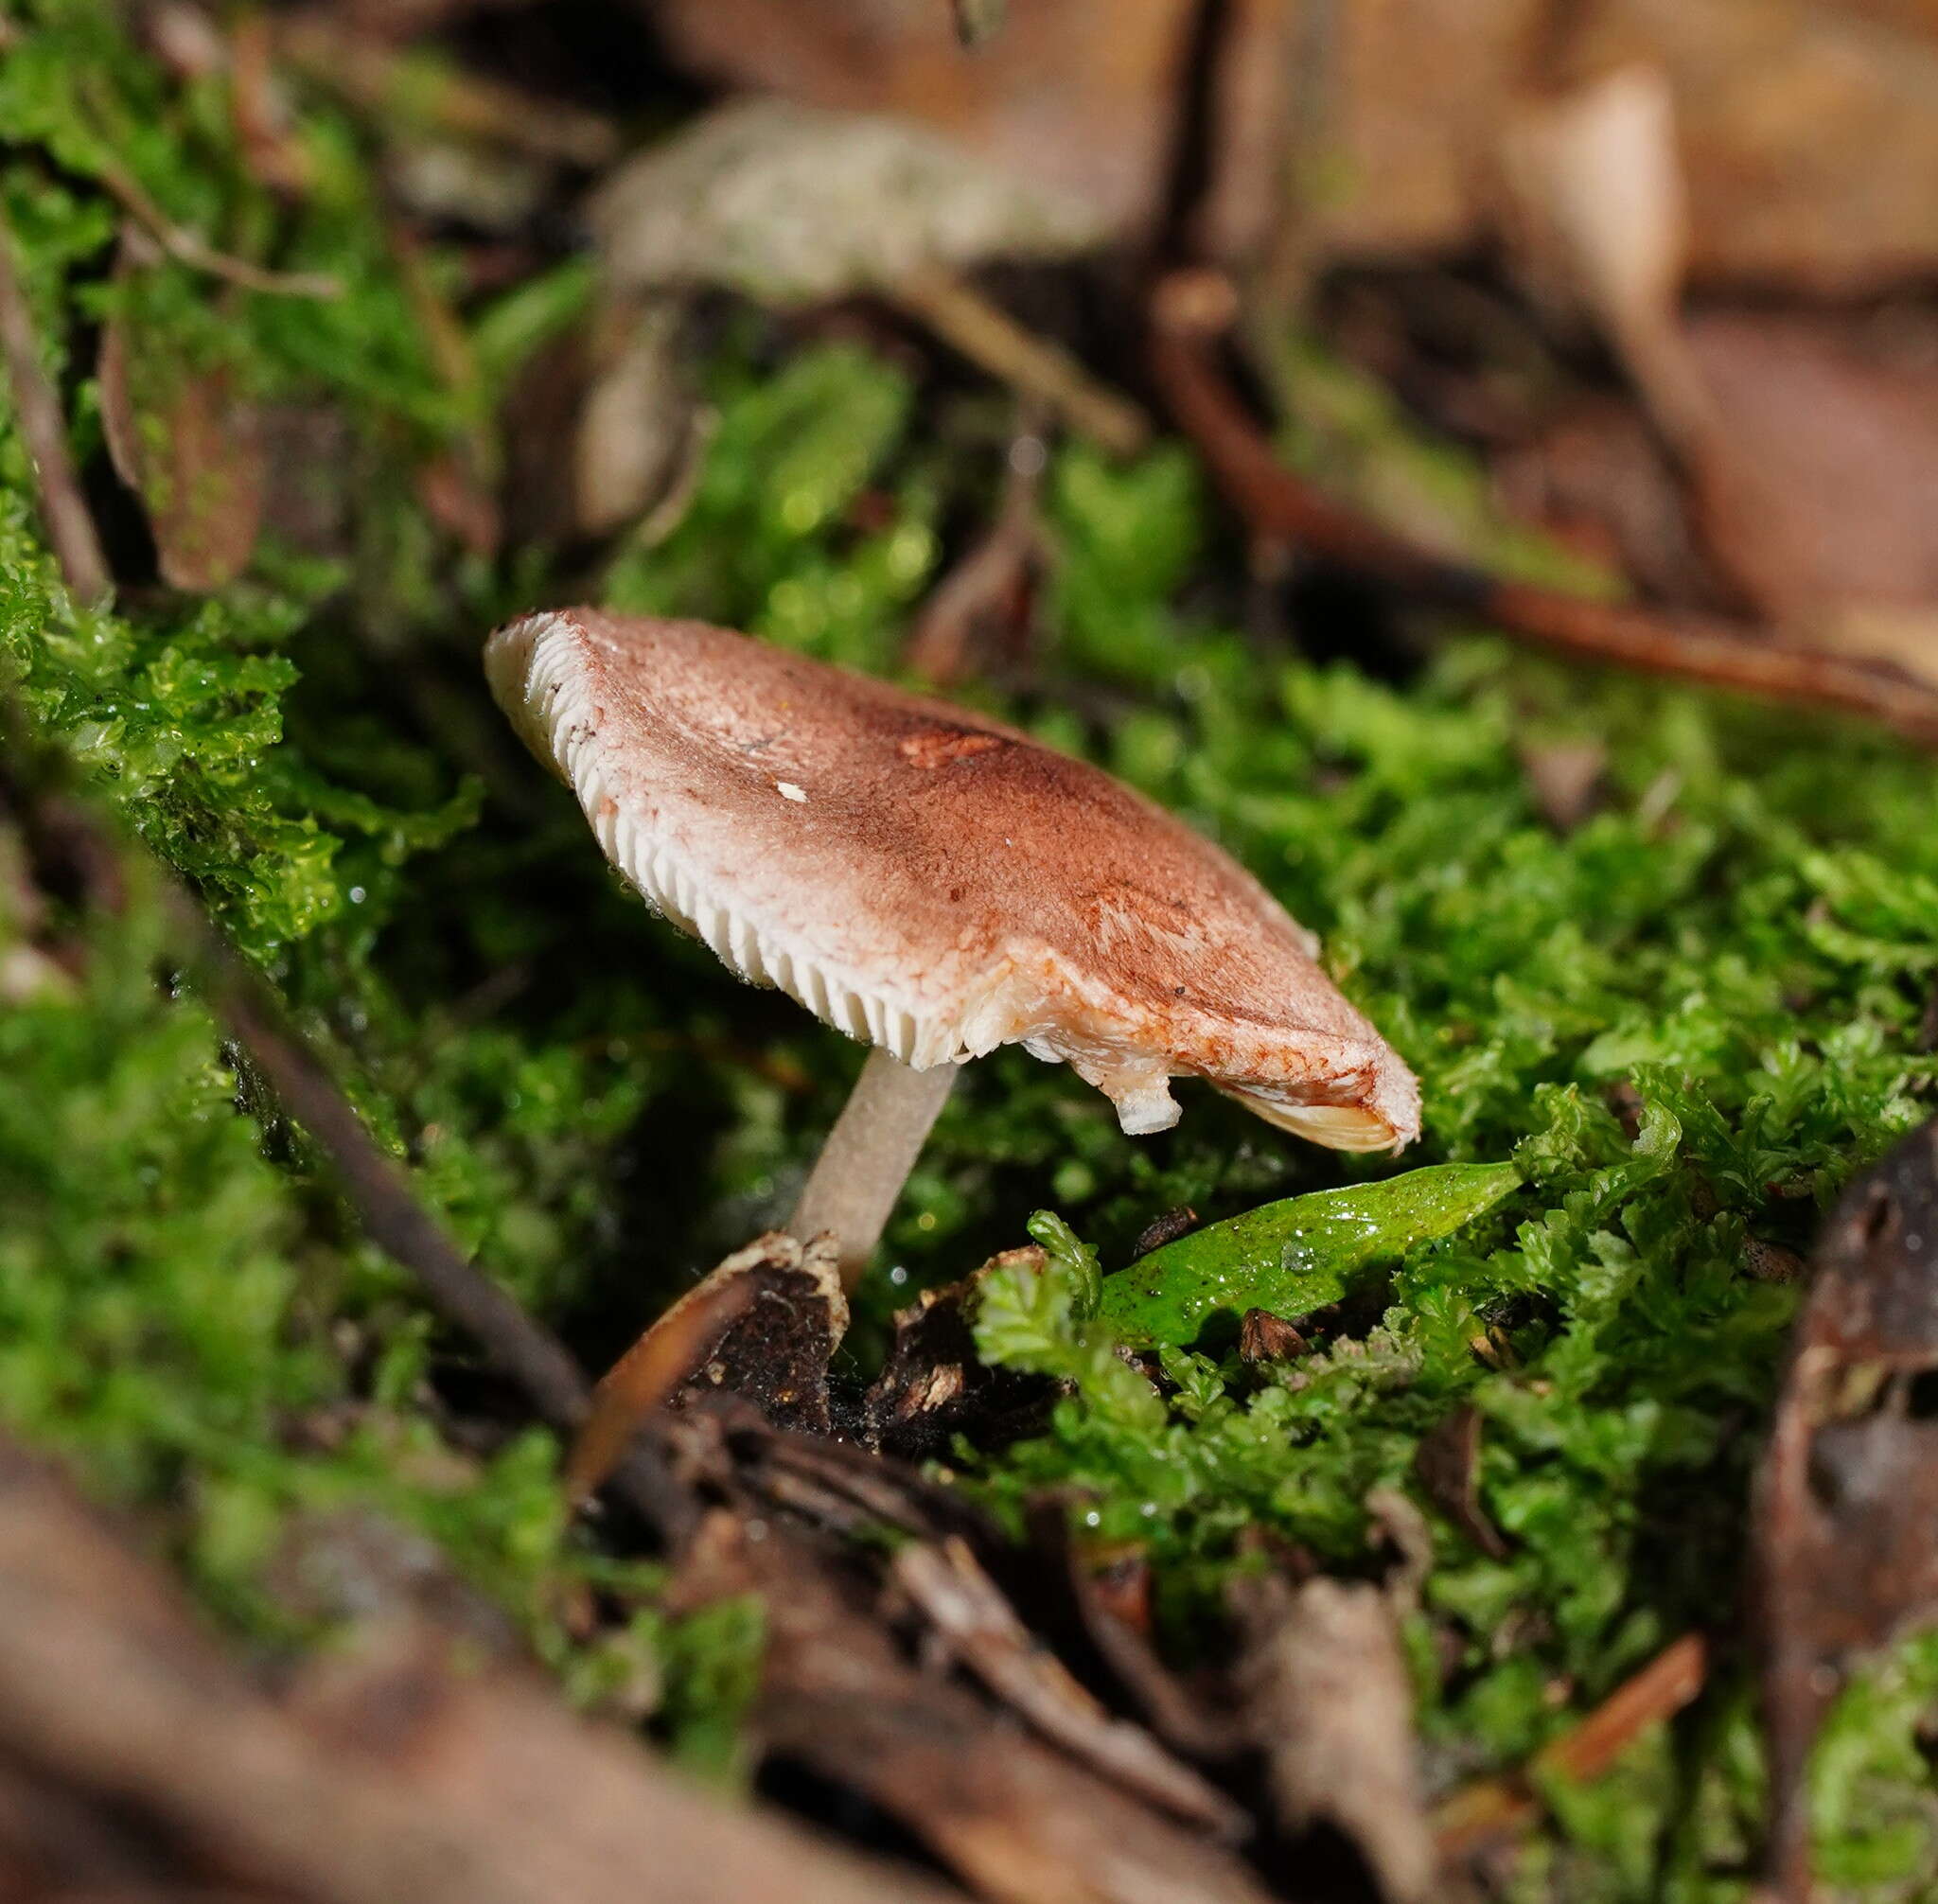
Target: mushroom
(935,885)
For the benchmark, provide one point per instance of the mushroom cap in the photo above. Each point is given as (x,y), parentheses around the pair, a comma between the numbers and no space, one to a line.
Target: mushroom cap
(938,883)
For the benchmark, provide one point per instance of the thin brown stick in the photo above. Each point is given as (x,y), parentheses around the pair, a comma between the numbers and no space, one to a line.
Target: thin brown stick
(1495,1808)
(989,336)
(1187,1724)
(190,248)
(991,577)
(513,1342)
(257,109)
(374,77)
(1189,312)
(399,1225)
(968,1613)
(1015,1818)
(70,528)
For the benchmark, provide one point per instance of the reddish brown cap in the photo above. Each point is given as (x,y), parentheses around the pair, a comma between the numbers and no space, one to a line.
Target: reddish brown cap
(936,884)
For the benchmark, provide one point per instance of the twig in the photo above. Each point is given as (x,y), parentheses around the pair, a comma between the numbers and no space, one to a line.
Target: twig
(462,1295)
(258,110)
(1191,311)
(376,78)
(987,580)
(989,336)
(70,528)
(1017,1819)
(979,1625)
(395,1221)
(1328,1701)
(513,1341)
(1497,1809)
(384,1774)
(471,467)
(190,248)
(1194,1727)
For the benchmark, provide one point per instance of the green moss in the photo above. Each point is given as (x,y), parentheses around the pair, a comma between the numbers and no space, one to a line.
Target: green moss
(1685,1023)
(765,544)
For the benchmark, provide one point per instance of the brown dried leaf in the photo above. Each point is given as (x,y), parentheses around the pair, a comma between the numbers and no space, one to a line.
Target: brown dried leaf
(1813,471)
(1598,179)
(456,497)
(1265,1337)
(1566,779)
(1414,94)
(980,609)
(185,441)
(1845,439)
(637,422)
(762,1326)
(1402,102)
(1331,1708)
(1595,173)
(1082,95)
(1845,210)
(1846,1506)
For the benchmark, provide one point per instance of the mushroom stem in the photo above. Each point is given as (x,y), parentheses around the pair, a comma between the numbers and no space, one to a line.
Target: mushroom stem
(867,1156)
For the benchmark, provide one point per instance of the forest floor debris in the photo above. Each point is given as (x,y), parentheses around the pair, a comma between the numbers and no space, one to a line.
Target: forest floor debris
(1069,1577)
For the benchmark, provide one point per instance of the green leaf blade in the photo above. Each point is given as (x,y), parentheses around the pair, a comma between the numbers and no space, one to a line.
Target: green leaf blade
(1297,1255)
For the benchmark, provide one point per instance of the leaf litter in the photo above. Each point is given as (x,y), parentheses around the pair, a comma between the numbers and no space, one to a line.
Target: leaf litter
(1688,1010)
